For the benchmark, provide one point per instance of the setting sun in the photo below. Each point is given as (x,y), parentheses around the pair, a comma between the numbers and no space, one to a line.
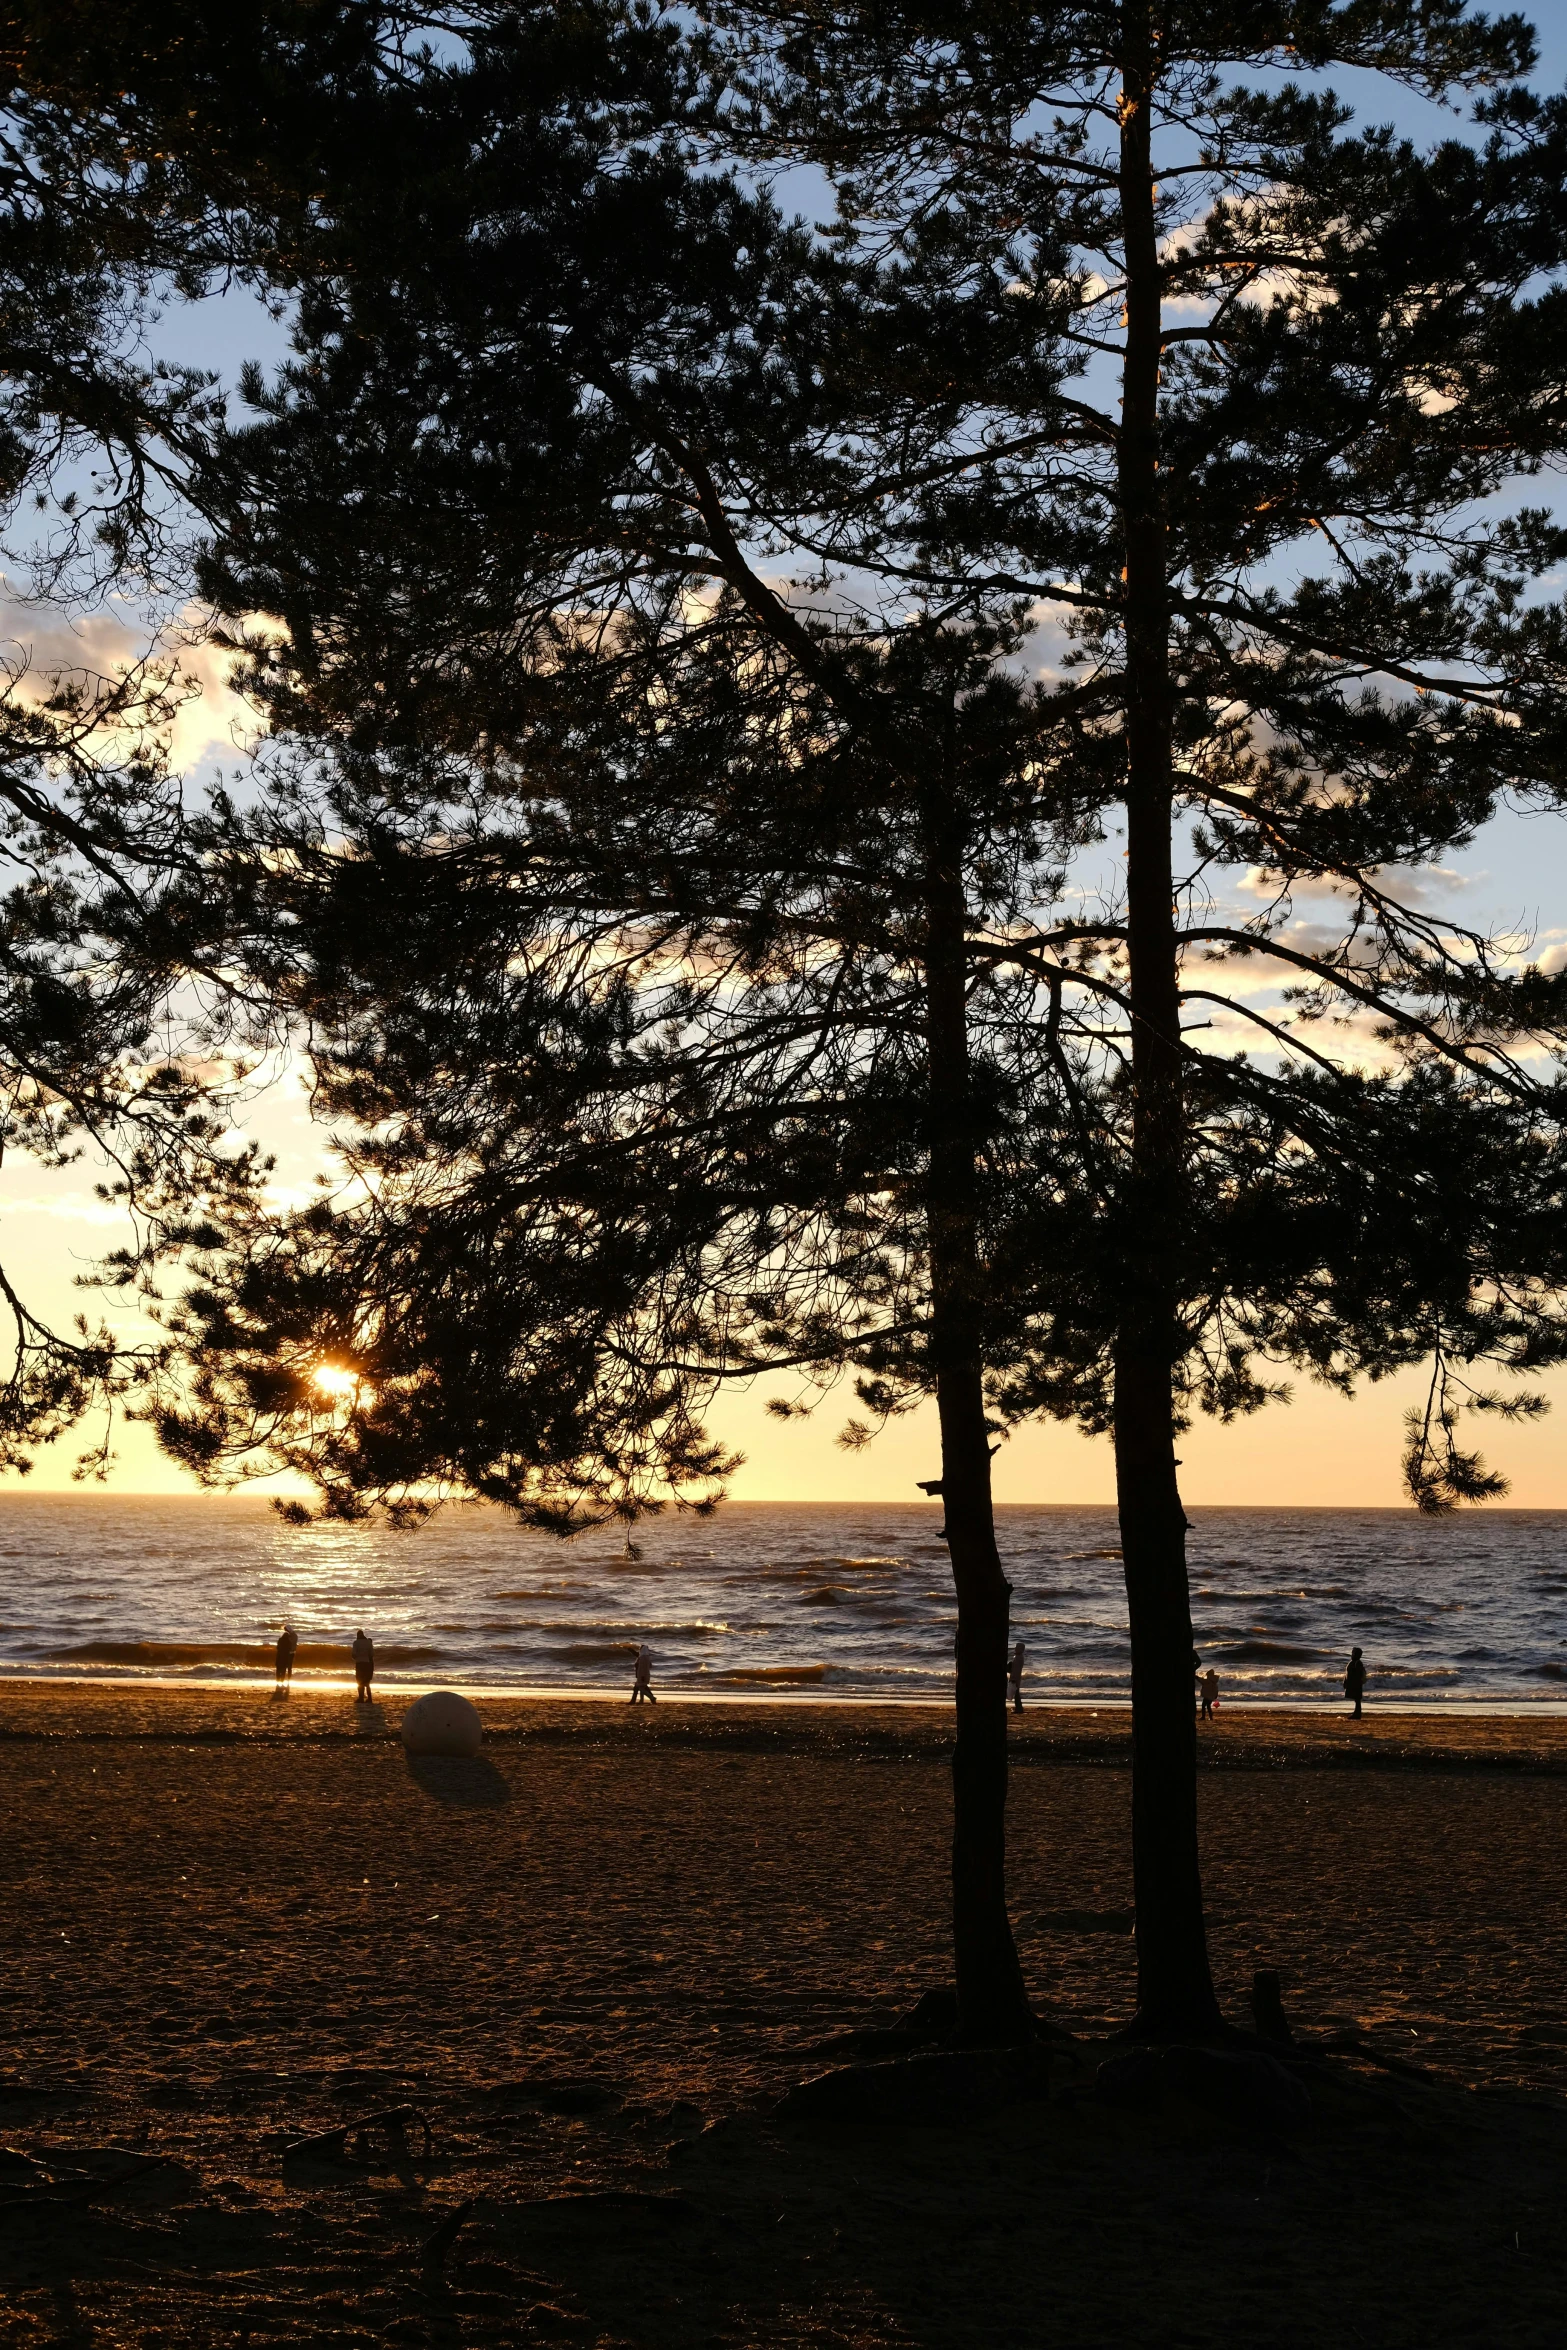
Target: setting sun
(334,1381)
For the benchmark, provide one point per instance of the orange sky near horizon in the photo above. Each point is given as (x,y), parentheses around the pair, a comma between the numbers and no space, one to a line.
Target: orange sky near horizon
(1319,1451)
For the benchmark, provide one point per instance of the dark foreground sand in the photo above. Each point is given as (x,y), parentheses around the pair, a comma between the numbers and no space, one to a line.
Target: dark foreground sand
(596,1956)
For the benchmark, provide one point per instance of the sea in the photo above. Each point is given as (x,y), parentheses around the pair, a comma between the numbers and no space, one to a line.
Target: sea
(777,1599)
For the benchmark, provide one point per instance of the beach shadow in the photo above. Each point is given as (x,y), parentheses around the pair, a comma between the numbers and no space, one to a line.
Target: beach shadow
(472,1783)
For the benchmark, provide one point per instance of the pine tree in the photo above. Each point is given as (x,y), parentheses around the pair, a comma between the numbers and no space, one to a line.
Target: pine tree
(557,392)
(1307,357)
(573,467)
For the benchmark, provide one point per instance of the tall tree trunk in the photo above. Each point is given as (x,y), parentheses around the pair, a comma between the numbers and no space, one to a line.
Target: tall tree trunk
(1174,1984)
(992,2002)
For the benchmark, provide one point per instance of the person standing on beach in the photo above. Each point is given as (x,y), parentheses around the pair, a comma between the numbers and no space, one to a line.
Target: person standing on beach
(1355,1682)
(364,1666)
(287,1642)
(1210,1693)
(642,1683)
(1015,1676)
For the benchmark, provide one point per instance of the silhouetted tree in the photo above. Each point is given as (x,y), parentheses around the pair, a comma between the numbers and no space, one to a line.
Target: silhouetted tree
(576,429)
(1305,360)
(587,221)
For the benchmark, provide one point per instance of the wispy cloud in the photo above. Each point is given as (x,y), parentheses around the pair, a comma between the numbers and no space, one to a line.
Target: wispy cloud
(42,644)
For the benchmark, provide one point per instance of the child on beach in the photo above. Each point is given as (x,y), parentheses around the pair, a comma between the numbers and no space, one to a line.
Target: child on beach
(642,1684)
(1355,1682)
(364,1666)
(1210,1693)
(287,1642)
(1015,1676)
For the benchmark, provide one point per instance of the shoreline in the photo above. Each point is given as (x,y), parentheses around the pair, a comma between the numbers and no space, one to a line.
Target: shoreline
(568,1693)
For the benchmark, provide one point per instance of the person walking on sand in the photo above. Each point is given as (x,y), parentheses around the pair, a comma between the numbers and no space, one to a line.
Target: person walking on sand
(364,1667)
(1015,1676)
(287,1642)
(1210,1693)
(1355,1682)
(642,1683)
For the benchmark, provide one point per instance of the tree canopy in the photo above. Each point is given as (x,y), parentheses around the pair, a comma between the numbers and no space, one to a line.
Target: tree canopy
(710,660)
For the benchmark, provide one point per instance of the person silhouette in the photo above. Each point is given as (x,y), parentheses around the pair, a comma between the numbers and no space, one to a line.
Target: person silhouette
(364,1666)
(1210,1693)
(287,1642)
(642,1683)
(1015,1676)
(1355,1682)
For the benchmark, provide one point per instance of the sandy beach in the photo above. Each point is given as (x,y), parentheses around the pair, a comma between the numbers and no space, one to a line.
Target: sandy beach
(594,1959)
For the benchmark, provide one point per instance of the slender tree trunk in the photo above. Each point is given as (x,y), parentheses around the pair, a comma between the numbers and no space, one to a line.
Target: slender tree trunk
(1174,1985)
(992,2002)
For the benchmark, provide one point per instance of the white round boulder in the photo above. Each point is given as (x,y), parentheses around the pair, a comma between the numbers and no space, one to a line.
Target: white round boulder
(442,1723)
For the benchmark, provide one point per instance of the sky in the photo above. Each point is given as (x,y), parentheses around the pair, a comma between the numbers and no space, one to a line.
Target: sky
(1318,1450)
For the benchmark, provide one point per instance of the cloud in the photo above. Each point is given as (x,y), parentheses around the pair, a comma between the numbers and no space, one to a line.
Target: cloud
(1415,886)
(68,1207)
(43,644)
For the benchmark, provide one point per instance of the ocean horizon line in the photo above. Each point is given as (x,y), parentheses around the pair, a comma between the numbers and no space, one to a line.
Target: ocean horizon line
(673,1515)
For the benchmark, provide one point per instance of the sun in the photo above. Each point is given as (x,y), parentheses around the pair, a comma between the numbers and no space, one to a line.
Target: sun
(333,1381)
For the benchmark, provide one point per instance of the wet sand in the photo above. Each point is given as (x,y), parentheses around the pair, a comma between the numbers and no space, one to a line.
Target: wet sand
(595,1956)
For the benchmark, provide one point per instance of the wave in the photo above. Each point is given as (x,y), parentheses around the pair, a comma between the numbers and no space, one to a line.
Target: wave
(545,1591)
(783,1676)
(813,1569)
(845,1595)
(592,1652)
(336,1657)
(925,1672)
(1267,1652)
(595,1628)
(130,1589)
(1226,1595)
